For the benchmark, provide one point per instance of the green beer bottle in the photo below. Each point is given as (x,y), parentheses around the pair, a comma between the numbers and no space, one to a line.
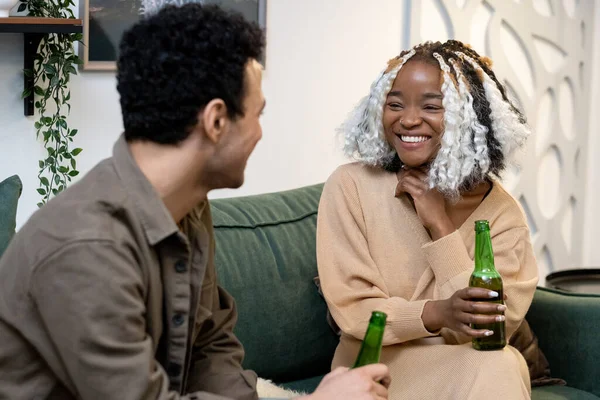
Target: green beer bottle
(485,276)
(370,350)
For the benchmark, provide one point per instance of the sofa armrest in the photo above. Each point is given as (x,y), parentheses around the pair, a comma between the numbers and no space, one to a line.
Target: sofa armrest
(567,327)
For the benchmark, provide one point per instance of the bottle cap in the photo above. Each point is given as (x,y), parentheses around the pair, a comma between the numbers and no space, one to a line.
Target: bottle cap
(482,225)
(378,318)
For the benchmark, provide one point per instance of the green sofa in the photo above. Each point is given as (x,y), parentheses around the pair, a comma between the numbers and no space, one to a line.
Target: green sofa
(266,259)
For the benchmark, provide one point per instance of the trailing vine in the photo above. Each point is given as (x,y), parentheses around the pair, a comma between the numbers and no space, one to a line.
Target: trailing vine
(54,64)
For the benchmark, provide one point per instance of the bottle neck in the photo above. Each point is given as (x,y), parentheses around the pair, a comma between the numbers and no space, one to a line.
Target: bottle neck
(484,255)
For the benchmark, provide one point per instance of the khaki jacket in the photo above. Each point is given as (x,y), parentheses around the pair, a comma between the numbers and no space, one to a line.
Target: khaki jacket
(103,296)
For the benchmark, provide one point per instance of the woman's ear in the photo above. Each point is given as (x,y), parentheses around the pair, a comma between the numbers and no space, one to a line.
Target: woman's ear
(214,119)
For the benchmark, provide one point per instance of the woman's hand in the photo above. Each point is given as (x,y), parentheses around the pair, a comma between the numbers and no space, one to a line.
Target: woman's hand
(429,203)
(463,309)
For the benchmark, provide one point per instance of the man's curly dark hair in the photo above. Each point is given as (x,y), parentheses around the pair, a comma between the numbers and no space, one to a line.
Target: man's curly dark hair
(173,63)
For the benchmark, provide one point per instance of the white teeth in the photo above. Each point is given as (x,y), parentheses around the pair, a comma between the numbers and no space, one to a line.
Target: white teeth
(413,139)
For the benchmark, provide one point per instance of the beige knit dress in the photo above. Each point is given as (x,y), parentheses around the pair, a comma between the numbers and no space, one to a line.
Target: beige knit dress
(373,253)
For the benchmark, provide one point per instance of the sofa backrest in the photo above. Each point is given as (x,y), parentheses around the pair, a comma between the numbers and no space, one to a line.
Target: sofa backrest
(10,190)
(266,258)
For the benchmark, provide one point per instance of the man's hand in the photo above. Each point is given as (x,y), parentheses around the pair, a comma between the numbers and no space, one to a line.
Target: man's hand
(365,383)
(429,203)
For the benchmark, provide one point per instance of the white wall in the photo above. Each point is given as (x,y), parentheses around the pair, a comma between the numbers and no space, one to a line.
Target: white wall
(321,58)
(591,251)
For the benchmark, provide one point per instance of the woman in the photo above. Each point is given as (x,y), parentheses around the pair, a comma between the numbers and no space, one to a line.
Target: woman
(395,229)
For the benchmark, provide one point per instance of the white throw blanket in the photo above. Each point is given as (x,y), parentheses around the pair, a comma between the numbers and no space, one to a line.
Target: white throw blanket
(266,388)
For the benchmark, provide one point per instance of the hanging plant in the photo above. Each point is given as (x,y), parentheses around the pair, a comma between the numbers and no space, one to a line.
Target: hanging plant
(53,66)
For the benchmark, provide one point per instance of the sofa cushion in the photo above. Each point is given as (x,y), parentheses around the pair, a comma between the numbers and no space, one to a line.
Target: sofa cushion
(560,393)
(565,324)
(266,258)
(10,190)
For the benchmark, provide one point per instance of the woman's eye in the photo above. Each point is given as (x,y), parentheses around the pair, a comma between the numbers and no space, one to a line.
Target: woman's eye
(431,107)
(395,106)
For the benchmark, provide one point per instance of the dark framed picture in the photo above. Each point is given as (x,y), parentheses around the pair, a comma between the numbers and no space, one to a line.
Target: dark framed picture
(104,22)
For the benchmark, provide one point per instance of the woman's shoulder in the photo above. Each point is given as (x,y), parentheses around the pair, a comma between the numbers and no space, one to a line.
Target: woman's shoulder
(357,174)
(505,210)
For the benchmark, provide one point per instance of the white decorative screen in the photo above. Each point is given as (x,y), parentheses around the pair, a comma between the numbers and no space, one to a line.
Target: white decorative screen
(542,51)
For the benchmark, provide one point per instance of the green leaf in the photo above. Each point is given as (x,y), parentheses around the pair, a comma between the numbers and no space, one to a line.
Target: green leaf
(37,125)
(71,69)
(73,163)
(78,60)
(54,192)
(46,120)
(46,136)
(62,170)
(54,80)
(39,91)
(73,173)
(68,156)
(41,164)
(44,181)
(49,69)
(57,177)
(62,123)
(28,73)
(76,151)
(41,191)
(26,93)
(73,132)
(68,97)
(40,205)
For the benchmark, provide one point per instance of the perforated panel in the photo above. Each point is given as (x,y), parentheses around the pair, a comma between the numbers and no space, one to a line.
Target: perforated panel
(542,51)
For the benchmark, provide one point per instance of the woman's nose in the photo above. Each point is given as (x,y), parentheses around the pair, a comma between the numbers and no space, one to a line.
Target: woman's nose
(410,119)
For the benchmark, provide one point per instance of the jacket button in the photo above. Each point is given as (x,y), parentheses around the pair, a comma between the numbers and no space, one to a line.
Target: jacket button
(178,319)
(173,369)
(180,266)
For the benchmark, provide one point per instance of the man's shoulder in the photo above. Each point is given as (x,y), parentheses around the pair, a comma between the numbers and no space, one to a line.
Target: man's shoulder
(97,207)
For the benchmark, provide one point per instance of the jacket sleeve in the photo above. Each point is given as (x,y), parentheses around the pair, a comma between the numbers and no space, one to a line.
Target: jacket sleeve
(90,297)
(352,284)
(217,354)
(216,363)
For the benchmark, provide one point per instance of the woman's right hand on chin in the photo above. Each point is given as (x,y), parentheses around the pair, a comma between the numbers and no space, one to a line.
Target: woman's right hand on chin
(365,383)
(464,308)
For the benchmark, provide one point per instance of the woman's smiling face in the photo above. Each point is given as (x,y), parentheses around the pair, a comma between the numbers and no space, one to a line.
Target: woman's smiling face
(413,115)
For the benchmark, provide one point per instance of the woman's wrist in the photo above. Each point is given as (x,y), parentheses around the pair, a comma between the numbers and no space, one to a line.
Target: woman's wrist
(443,228)
(432,316)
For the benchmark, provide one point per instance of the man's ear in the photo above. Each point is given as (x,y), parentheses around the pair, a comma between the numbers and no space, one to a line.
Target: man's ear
(215,119)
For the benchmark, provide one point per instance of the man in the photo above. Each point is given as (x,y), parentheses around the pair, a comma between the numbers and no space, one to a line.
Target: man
(109,291)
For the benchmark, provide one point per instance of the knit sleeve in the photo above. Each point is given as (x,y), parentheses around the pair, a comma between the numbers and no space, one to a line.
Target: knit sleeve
(352,284)
(513,257)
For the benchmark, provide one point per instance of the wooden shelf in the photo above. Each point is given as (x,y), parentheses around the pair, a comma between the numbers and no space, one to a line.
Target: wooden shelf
(40,25)
(33,30)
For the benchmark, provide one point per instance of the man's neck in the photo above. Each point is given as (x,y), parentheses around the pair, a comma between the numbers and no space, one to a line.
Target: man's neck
(173,171)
